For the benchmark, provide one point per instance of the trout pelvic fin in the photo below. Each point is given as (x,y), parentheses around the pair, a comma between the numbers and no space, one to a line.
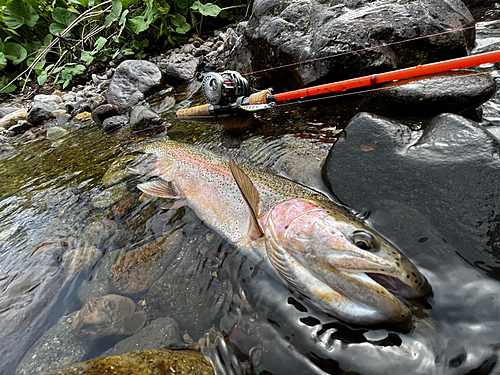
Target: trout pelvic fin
(251,197)
(160,188)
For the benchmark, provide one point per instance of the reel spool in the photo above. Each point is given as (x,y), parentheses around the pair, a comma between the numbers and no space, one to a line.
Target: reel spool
(224,88)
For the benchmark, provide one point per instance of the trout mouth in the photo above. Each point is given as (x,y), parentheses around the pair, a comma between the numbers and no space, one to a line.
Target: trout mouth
(393,285)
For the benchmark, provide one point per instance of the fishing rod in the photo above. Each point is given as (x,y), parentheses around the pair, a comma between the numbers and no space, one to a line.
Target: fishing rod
(229,92)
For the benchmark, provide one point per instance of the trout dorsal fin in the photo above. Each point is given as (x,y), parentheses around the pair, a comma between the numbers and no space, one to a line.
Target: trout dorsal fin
(251,197)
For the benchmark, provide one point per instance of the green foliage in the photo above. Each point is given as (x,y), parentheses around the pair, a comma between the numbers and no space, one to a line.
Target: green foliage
(18,13)
(120,27)
(207,9)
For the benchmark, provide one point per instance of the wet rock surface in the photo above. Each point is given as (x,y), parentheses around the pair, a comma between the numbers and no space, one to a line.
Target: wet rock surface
(280,33)
(186,288)
(109,315)
(103,112)
(24,293)
(113,123)
(448,174)
(454,92)
(40,112)
(57,348)
(79,260)
(12,117)
(98,283)
(144,118)
(179,68)
(160,361)
(132,82)
(138,269)
(160,333)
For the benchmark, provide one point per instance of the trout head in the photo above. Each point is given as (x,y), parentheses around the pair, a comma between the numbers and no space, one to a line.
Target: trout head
(339,264)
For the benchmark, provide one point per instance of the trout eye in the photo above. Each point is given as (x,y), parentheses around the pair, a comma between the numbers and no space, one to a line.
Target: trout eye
(364,240)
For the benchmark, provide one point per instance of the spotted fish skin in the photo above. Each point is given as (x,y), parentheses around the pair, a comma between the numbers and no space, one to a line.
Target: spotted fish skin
(311,244)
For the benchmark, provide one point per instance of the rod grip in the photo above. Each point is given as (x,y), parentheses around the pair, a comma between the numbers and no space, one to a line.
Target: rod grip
(201,110)
(259,97)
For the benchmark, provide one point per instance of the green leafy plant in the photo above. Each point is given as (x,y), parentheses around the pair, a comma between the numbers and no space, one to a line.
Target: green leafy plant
(63,39)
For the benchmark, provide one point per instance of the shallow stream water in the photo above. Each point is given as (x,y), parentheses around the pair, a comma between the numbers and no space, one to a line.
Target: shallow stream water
(55,195)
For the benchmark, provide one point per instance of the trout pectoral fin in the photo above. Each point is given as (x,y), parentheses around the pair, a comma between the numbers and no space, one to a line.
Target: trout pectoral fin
(159,188)
(251,197)
(174,205)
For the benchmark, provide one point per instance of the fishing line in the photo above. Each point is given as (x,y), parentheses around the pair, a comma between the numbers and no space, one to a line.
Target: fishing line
(358,50)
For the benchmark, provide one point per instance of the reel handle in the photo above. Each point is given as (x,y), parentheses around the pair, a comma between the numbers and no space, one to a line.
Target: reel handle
(201,110)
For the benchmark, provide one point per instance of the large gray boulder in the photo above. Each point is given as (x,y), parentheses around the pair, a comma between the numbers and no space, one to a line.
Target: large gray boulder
(132,82)
(285,32)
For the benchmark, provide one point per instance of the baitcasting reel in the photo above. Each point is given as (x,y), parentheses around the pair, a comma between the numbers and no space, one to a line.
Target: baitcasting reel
(224,88)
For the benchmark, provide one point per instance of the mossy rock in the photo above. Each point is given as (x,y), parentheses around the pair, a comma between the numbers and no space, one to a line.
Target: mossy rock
(158,361)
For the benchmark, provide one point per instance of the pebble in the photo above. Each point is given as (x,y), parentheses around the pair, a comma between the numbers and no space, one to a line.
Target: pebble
(108,316)
(56,132)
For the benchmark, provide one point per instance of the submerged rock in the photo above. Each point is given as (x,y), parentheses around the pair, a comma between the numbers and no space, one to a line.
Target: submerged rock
(108,316)
(24,294)
(113,123)
(50,252)
(160,333)
(132,81)
(160,361)
(286,32)
(144,118)
(109,196)
(427,96)
(98,283)
(57,348)
(79,260)
(449,174)
(103,112)
(56,132)
(190,290)
(138,269)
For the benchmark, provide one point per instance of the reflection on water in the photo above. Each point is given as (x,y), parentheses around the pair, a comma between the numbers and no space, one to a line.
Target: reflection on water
(52,202)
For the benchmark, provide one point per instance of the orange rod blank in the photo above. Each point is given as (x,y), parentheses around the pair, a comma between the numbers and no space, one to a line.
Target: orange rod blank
(415,71)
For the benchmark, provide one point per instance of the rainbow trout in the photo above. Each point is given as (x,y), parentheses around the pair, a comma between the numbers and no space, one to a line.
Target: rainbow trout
(301,237)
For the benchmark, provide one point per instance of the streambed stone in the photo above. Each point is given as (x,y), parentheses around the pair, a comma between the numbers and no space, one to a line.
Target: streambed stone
(57,348)
(108,316)
(453,92)
(109,196)
(160,333)
(56,132)
(291,31)
(97,284)
(50,252)
(138,269)
(113,123)
(40,112)
(159,361)
(119,170)
(448,174)
(191,290)
(78,260)
(103,112)
(180,68)
(12,117)
(24,294)
(144,118)
(132,81)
